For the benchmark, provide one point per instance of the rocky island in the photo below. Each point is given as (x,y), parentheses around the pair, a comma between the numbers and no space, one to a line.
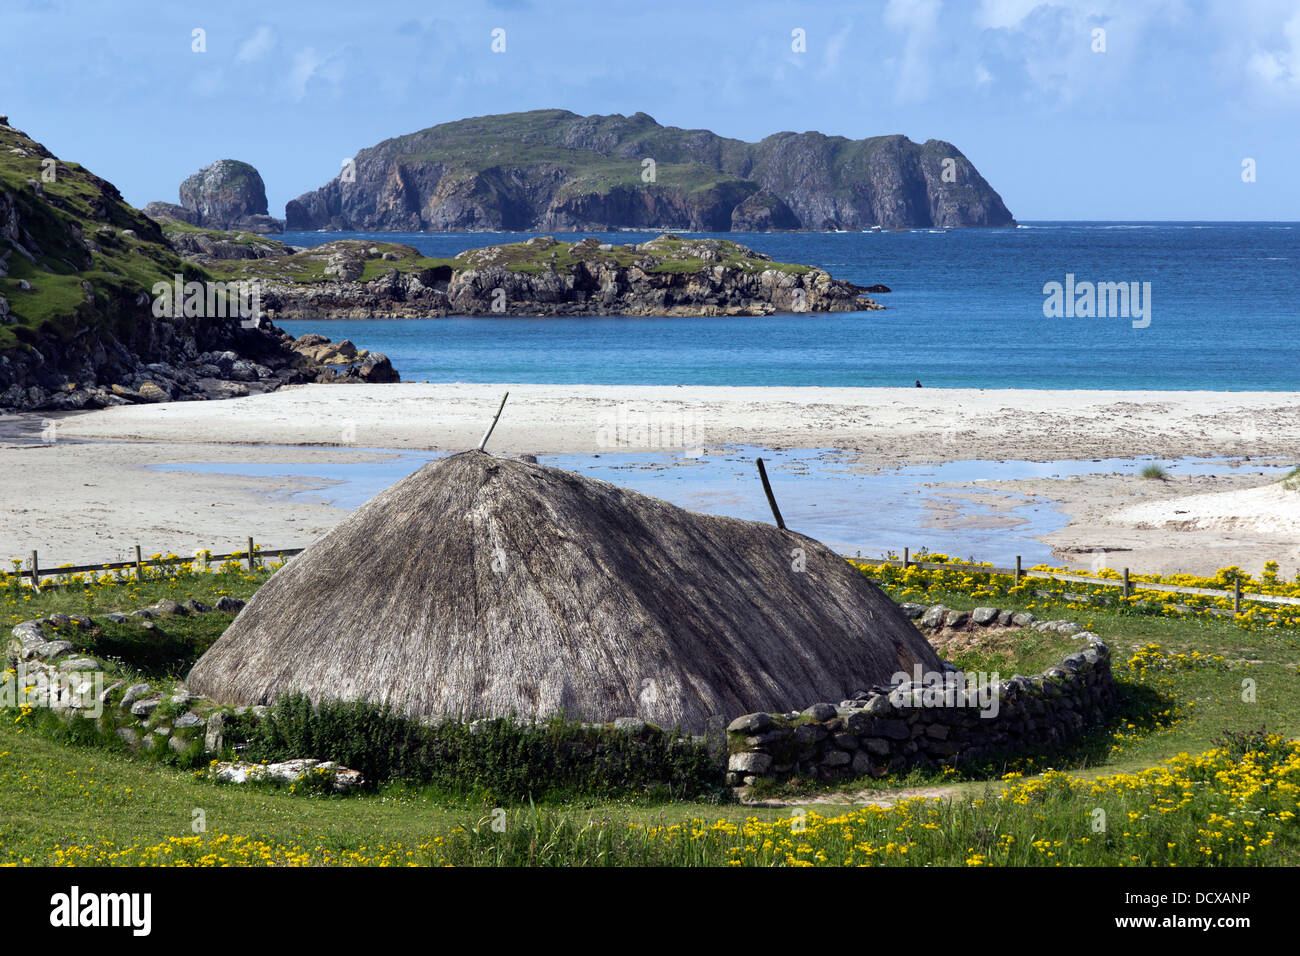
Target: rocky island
(542,276)
(229,194)
(556,171)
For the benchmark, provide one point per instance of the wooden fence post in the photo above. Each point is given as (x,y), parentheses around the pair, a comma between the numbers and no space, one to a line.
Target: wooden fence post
(906,558)
(1236,597)
(1018,571)
(139,565)
(36,572)
(1126,589)
(251,565)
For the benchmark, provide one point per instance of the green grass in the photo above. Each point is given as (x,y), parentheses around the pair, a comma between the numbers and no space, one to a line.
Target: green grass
(19,603)
(667,256)
(164,652)
(1204,701)
(170,225)
(52,794)
(1154,471)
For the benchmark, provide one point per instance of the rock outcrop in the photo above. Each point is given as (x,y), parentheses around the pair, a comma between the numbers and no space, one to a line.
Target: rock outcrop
(206,246)
(226,195)
(668,275)
(552,170)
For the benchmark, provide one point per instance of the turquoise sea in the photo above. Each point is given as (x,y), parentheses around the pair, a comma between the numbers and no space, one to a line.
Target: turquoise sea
(966,311)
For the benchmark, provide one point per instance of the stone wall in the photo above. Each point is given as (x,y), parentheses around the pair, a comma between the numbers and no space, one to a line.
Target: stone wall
(932,719)
(50,673)
(929,721)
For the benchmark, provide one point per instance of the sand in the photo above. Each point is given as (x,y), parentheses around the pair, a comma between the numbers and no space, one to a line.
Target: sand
(77,503)
(89,494)
(1194,524)
(884,426)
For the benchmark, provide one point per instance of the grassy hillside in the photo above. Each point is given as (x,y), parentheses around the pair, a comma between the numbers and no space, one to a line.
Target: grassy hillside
(63,235)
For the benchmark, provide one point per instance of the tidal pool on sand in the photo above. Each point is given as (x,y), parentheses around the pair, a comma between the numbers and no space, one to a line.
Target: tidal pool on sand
(819,492)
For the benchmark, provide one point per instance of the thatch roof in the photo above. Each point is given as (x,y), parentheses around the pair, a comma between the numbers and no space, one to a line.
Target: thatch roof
(483,586)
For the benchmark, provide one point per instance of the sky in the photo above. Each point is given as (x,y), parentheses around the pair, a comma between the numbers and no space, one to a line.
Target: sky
(1152,119)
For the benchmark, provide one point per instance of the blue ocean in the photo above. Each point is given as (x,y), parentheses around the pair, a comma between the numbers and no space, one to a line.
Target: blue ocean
(966,310)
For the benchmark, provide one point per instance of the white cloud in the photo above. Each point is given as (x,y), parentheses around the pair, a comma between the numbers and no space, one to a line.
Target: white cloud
(1280,66)
(1003,14)
(917,20)
(834,49)
(256,46)
(305,64)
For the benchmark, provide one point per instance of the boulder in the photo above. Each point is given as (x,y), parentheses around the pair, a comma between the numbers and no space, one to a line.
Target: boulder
(751,724)
(214,738)
(133,694)
(288,772)
(749,762)
(153,393)
(143,708)
(820,712)
(933,616)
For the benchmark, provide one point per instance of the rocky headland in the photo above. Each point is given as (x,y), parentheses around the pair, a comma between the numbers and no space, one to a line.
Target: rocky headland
(78,314)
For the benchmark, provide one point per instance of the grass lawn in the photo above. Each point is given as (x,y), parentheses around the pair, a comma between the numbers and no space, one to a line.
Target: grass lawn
(1165,784)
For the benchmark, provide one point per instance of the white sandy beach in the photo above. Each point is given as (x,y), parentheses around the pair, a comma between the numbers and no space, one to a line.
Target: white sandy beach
(88,494)
(882,425)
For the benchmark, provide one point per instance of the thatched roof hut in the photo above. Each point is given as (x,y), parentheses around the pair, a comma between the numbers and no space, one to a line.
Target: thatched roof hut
(484,586)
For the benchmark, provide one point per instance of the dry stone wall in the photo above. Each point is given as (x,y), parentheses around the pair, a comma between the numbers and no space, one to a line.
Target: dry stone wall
(932,719)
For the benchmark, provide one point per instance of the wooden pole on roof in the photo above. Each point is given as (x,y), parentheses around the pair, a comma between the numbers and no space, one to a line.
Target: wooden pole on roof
(488,434)
(771,498)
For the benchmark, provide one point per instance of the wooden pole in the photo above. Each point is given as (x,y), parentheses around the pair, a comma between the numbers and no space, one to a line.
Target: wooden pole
(488,434)
(1236,597)
(36,572)
(771,498)
(1126,588)
(139,565)
(906,558)
(1018,569)
(251,564)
